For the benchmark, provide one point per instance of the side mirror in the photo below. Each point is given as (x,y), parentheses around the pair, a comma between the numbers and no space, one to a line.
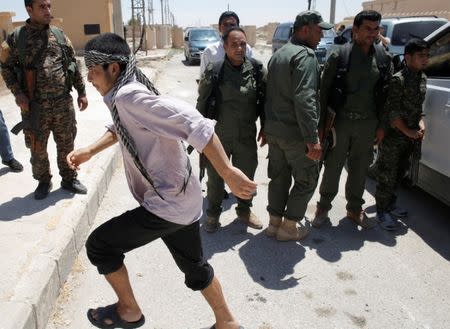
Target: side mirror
(340,40)
(186,38)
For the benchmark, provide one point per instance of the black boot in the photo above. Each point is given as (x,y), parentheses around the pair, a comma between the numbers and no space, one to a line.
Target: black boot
(14,165)
(74,186)
(42,190)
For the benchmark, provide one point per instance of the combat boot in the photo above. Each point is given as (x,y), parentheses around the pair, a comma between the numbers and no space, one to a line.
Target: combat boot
(14,165)
(42,190)
(74,186)
(360,218)
(250,220)
(288,231)
(320,217)
(212,224)
(274,224)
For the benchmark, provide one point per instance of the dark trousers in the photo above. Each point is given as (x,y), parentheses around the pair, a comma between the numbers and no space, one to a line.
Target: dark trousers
(108,243)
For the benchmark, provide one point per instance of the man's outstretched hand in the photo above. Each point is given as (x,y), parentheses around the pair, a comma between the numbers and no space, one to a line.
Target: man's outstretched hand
(239,184)
(77,157)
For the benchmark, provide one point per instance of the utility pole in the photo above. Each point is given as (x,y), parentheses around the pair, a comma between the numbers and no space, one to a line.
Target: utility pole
(151,19)
(332,11)
(309,4)
(162,12)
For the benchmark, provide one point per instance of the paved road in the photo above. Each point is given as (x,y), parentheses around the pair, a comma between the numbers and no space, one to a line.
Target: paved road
(339,277)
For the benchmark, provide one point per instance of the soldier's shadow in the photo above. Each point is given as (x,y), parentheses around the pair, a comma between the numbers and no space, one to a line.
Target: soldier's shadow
(331,241)
(26,205)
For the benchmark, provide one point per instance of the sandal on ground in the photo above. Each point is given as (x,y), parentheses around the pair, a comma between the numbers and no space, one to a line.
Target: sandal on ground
(110,313)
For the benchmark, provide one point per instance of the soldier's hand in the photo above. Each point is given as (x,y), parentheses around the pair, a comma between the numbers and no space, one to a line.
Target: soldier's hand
(261,138)
(23,102)
(240,185)
(82,103)
(77,157)
(314,151)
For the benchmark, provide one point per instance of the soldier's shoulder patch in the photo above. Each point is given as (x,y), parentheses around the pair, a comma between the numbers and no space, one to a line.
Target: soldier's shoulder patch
(4,52)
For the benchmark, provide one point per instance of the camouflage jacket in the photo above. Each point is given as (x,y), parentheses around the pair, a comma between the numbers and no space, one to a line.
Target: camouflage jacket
(405,97)
(50,71)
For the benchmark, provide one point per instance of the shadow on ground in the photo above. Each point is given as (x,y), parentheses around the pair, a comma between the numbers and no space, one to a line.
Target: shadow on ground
(18,207)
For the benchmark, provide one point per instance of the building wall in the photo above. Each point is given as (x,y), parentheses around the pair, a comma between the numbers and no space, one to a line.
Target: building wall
(76,14)
(439,8)
(6,25)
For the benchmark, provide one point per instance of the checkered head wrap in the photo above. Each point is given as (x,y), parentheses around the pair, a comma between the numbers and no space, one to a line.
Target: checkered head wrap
(93,58)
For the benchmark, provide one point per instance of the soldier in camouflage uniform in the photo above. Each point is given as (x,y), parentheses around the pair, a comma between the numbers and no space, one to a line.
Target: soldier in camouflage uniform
(292,115)
(46,58)
(404,109)
(237,111)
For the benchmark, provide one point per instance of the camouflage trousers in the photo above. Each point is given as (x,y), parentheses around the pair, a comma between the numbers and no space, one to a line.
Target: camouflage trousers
(57,116)
(393,161)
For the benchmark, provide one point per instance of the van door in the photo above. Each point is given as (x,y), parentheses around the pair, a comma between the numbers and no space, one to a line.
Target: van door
(434,173)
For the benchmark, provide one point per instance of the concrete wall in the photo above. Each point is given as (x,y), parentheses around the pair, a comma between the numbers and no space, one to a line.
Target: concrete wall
(177,37)
(439,8)
(150,37)
(75,14)
(6,25)
(163,36)
(250,32)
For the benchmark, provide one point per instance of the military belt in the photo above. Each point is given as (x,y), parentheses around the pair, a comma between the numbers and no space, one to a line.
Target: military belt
(51,96)
(354,116)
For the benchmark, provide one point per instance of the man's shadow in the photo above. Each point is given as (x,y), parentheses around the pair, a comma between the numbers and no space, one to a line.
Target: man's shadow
(271,263)
(26,205)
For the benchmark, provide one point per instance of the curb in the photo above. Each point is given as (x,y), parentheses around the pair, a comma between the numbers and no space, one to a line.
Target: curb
(36,293)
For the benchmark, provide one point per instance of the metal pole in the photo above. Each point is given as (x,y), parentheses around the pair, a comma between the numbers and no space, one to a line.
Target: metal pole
(332,11)
(162,12)
(309,4)
(133,24)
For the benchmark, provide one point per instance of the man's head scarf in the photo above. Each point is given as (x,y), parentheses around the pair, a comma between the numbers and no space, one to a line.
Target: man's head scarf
(93,58)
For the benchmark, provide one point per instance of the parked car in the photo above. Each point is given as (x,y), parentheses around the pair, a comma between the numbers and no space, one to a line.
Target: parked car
(284,32)
(196,39)
(399,30)
(434,166)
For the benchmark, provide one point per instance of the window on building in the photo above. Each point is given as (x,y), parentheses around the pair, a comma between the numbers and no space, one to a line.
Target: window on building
(91,29)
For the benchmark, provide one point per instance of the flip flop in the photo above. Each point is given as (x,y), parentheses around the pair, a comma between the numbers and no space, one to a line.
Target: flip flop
(110,313)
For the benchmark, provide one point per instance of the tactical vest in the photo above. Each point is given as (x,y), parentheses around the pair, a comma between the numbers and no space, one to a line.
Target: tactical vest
(257,75)
(69,65)
(383,60)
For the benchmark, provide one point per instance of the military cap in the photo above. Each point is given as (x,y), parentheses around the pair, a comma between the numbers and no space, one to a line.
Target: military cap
(311,16)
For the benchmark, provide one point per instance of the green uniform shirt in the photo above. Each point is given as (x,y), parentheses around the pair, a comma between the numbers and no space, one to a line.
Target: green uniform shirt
(360,81)
(405,98)
(236,105)
(292,107)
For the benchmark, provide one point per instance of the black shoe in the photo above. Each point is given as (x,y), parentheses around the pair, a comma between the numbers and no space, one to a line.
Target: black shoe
(42,190)
(74,186)
(14,165)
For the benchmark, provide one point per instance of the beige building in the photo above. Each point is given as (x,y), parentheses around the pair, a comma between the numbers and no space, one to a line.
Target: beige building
(84,19)
(400,8)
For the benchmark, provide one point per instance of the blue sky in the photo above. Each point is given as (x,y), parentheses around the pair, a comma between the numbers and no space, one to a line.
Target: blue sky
(205,12)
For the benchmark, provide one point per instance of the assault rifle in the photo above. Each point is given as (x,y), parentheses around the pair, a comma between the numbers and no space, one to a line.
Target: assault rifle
(414,162)
(30,118)
(328,139)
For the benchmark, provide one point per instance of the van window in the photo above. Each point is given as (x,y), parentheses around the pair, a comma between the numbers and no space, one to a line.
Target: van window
(402,32)
(203,35)
(439,65)
(283,32)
